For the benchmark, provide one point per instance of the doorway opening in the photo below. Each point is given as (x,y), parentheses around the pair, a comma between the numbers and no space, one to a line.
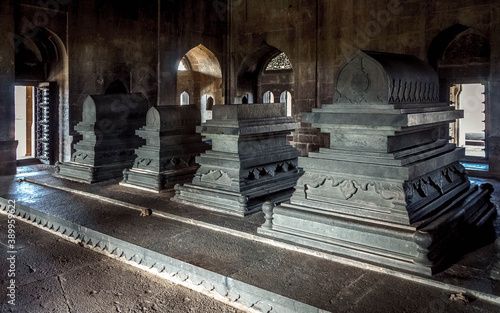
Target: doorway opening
(35,123)
(469,132)
(25,117)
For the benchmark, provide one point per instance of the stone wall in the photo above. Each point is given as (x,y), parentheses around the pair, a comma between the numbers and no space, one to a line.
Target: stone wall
(7,143)
(141,43)
(319,36)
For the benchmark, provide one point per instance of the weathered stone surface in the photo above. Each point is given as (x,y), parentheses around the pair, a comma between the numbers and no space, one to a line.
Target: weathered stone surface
(8,157)
(107,148)
(495,271)
(172,145)
(390,188)
(250,161)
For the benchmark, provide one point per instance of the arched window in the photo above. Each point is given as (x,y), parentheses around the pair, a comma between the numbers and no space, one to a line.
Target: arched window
(210,103)
(244,100)
(268,97)
(184,98)
(286,97)
(182,65)
(279,63)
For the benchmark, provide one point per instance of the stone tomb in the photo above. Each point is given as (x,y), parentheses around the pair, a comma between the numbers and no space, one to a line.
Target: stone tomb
(389,189)
(171,146)
(108,128)
(250,161)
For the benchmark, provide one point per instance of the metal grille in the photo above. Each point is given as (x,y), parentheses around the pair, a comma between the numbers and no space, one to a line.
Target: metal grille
(279,62)
(43,125)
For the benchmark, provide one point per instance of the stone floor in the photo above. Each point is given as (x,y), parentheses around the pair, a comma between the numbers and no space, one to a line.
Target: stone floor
(55,275)
(230,246)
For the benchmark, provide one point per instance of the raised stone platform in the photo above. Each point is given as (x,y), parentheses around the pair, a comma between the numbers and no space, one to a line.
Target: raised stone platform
(108,127)
(390,189)
(172,144)
(208,249)
(250,161)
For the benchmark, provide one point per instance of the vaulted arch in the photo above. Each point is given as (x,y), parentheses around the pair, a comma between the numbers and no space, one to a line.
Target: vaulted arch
(199,74)
(42,58)
(266,69)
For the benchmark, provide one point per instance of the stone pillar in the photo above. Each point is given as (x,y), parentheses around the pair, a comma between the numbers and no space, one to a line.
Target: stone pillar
(8,145)
(493,109)
(172,145)
(493,140)
(108,127)
(390,188)
(250,161)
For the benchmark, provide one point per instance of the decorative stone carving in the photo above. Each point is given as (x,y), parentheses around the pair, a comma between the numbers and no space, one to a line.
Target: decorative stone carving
(171,146)
(389,189)
(107,148)
(250,161)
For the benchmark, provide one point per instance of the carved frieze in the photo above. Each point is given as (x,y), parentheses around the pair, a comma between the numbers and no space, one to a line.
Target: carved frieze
(435,183)
(329,186)
(271,170)
(216,176)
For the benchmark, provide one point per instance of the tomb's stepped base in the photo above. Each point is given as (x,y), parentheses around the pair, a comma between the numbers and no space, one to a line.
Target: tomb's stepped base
(172,145)
(250,161)
(85,173)
(425,249)
(390,189)
(108,143)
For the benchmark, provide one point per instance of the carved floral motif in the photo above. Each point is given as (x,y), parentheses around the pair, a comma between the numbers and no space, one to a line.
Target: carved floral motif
(350,187)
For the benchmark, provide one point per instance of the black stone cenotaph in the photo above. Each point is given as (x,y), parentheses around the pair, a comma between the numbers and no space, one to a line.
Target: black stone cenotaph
(390,188)
(108,128)
(172,145)
(250,161)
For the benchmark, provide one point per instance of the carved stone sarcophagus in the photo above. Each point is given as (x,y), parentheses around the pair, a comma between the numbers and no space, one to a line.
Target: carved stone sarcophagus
(250,161)
(172,145)
(389,189)
(108,128)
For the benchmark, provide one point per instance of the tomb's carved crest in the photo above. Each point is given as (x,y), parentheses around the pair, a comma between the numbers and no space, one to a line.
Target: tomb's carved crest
(376,78)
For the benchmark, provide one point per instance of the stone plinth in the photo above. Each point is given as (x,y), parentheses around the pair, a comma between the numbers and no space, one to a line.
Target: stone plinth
(172,145)
(250,161)
(108,128)
(389,189)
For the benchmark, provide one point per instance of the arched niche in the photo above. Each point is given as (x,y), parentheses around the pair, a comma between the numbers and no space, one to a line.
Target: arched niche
(268,97)
(199,73)
(459,53)
(267,68)
(286,97)
(250,69)
(116,87)
(461,56)
(184,98)
(42,62)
